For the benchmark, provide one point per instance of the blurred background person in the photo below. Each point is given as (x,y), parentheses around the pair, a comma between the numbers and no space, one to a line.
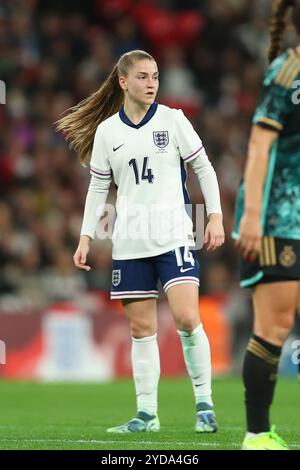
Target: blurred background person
(267,228)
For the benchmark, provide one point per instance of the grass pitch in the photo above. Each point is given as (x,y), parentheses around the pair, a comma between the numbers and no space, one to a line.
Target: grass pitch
(75,416)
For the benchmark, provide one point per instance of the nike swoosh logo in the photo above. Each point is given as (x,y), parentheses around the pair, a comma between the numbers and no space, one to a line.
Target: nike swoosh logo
(184,270)
(116,148)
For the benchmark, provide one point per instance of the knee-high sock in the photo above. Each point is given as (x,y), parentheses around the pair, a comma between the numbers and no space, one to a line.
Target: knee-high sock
(259,376)
(146,372)
(196,352)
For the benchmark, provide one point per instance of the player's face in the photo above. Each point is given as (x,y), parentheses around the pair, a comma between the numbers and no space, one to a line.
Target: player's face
(141,83)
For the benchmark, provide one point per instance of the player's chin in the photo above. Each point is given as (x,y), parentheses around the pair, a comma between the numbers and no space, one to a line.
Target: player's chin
(149,98)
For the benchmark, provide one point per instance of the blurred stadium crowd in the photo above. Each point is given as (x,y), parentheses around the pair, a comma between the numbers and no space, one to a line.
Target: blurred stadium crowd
(211,55)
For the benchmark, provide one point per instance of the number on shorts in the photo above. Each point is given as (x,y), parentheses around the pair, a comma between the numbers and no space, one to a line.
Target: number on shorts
(187,256)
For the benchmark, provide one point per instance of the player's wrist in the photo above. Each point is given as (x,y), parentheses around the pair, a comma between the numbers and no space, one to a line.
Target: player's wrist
(85,239)
(215,216)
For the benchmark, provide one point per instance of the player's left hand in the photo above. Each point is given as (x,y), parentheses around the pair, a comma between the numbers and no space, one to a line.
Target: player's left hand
(214,233)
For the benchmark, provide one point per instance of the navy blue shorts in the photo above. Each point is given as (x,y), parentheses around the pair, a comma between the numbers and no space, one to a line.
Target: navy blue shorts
(138,278)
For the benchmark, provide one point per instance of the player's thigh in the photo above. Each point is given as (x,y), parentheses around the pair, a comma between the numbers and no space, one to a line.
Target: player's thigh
(142,316)
(184,304)
(274,309)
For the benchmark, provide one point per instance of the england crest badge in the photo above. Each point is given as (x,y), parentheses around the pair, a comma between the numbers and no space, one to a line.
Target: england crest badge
(116,277)
(161,138)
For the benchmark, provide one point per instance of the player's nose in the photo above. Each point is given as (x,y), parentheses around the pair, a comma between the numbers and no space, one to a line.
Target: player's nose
(151,83)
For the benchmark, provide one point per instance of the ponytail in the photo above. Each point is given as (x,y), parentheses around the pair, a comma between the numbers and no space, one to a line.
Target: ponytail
(79,126)
(277,26)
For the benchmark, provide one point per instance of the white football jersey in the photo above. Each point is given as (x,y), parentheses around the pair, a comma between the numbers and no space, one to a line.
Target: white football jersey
(148,164)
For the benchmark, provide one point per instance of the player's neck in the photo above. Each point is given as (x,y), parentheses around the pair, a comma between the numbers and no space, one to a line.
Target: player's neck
(135,112)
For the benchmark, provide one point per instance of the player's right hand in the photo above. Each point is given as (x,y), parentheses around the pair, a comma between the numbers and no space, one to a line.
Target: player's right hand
(250,236)
(81,253)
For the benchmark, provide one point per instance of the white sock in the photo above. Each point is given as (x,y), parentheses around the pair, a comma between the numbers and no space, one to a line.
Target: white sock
(196,352)
(252,435)
(146,372)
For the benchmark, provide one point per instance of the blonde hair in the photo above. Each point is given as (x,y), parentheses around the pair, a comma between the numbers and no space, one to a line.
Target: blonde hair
(79,126)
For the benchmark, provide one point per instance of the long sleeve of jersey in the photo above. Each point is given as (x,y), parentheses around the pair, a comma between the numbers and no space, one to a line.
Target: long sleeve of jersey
(208,181)
(192,151)
(94,205)
(99,186)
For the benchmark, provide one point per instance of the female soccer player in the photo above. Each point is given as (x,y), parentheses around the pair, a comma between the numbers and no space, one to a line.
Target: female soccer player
(267,229)
(124,132)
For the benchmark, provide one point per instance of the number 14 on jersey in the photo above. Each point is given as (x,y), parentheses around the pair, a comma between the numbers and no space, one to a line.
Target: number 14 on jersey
(146,172)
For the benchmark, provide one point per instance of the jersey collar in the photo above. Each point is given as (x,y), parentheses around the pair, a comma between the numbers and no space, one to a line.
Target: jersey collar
(150,113)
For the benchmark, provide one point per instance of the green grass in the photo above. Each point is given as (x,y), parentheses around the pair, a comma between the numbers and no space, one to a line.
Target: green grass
(75,416)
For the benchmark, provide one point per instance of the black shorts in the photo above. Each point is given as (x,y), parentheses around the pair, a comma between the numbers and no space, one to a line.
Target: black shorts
(279,260)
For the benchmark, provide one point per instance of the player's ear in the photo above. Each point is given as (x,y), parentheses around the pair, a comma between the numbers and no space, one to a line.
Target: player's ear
(122,82)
